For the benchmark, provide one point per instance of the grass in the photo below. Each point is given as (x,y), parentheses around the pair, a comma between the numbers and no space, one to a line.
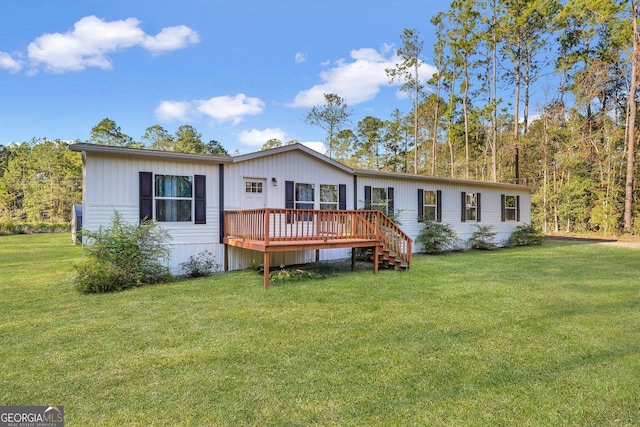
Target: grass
(532,336)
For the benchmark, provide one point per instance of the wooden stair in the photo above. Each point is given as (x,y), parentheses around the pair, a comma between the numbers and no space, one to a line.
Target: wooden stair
(387,259)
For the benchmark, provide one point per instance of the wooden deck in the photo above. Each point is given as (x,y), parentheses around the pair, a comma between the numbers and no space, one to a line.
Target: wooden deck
(285,230)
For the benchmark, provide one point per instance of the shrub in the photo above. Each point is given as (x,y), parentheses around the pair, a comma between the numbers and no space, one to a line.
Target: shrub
(483,238)
(436,237)
(283,275)
(123,255)
(525,235)
(200,265)
(9,228)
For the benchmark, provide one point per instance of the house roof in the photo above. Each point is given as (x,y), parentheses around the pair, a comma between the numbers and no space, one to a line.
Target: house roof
(290,148)
(439,179)
(136,152)
(157,154)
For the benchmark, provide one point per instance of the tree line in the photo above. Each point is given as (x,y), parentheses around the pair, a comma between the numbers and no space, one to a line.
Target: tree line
(40,180)
(534,92)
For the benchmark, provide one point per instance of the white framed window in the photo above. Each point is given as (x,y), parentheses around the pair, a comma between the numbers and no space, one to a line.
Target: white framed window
(328,197)
(379,199)
(471,208)
(253,187)
(173,198)
(304,196)
(510,208)
(429,205)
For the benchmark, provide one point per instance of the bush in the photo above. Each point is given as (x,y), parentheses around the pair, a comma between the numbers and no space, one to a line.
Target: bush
(122,256)
(200,265)
(483,238)
(10,228)
(525,235)
(283,275)
(436,237)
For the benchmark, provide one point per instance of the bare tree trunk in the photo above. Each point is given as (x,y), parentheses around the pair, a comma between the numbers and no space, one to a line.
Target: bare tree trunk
(434,150)
(494,113)
(631,121)
(415,119)
(556,221)
(516,128)
(466,125)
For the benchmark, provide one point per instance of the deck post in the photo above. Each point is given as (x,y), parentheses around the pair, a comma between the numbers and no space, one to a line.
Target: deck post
(266,270)
(353,259)
(226,257)
(267,226)
(375,259)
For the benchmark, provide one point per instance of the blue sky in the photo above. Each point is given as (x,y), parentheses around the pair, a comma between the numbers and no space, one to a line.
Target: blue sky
(240,72)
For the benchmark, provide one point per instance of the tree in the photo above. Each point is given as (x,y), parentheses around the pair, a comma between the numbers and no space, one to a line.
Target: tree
(394,142)
(188,140)
(331,117)
(346,142)
(272,143)
(275,143)
(631,121)
(216,149)
(526,27)
(439,59)
(408,72)
(464,39)
(159,138)
(108,133)
(41,182)
(370,137)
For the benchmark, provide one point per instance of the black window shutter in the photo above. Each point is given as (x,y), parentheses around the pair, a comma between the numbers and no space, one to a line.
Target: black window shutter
(478,207)
(342,197)
(439,206)
(355,192)
(420,205)
(289,201)
(463,215)
(503,201)
(288,195)
(391,208)
(146,195)
(200,189)
(518,208)
(367,197)
(221,201)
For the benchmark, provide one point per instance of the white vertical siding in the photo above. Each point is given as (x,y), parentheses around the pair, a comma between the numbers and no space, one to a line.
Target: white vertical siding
(288,166)
(406,202)
(111,184)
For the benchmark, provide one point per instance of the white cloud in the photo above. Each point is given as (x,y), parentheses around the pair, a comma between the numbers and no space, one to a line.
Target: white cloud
(220,108)
(357,81)
(301,57)
(257,138)
(230,108)
(7,62)
(174,110)
(171,38)
(316,146)
(92,39)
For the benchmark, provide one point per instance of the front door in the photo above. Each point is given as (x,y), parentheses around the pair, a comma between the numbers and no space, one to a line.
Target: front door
(254,193)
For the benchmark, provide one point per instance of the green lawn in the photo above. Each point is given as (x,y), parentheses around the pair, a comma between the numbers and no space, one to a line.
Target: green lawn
(539,336)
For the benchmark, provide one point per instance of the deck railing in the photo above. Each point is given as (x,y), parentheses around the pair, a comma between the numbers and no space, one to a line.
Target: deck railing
(277,225)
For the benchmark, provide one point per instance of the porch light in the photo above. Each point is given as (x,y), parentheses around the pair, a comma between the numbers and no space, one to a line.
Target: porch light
(274,181)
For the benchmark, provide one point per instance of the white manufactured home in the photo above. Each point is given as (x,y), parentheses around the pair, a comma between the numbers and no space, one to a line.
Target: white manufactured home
(288,205)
